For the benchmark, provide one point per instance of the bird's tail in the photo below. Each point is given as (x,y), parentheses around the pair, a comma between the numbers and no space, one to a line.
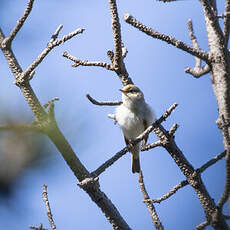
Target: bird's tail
(135,159)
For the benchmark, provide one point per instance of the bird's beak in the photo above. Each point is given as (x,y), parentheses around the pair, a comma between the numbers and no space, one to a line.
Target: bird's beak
(123,91)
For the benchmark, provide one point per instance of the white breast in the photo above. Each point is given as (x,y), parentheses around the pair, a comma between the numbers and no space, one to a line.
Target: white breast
(130,123)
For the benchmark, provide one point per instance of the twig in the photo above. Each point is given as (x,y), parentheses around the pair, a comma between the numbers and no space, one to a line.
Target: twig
(40,227)
(48,209)
(110,103)
(53,43)
(109,162)
(170,40)
(173,129)
(171,192)
(198,71)
(20,22)
(86,62)
(211,162)
(151,146)
(226,217)
(156,221)
(185,182)
(202,225)
(116,27)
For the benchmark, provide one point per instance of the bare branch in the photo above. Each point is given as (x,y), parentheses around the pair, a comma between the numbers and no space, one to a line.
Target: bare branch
(56,33)
(40,227)
(173,129)
(109,103)
(202,225)
(185,182)
(226,217)
(170,40)
(116,27)
(151,146)
(156,221)
(48,209)
(226,22)
(20,22)
(79,62)
(109,162)
(198,71)
(211,162)
(53,43)
(223,124)
(171,192)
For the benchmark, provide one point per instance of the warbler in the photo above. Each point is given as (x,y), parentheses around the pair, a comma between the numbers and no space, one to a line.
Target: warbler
(134,115)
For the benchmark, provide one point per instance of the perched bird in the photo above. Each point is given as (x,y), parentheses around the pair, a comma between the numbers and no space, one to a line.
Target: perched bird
(134,115)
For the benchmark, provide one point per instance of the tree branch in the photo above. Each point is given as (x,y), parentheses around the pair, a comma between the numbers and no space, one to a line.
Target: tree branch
(226,22)
(109,103)
(155,219)
(198,71)
(171,192)
(185,182)
(202,226)
(79,62)
(53,43)
(48,209)
(170,40)
(20,22)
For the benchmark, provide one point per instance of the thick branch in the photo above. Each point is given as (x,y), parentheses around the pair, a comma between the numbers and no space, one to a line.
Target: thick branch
(170,40)
(156,221)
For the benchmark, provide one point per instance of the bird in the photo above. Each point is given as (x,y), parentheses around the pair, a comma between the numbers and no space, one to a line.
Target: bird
(134,115)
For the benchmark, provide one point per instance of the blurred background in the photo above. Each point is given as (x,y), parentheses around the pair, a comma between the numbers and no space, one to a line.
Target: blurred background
(29,160)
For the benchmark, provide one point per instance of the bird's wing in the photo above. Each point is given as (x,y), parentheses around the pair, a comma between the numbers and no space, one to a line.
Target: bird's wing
(144,142)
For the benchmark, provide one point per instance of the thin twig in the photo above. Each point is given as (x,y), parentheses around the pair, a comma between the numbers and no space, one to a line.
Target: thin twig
(79,62)
(49,47)
(202,225)
(211,162)
(185,182)
(197,71)
(48,209)
(21,21)
(109,162)
(171,192)
(109,103)
(156,221)
(170,40)
(40,227)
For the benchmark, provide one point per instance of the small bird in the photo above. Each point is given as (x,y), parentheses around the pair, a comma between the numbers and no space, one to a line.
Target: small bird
(134,115)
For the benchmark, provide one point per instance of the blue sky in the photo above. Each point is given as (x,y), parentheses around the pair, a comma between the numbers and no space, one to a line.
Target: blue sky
(156,67)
